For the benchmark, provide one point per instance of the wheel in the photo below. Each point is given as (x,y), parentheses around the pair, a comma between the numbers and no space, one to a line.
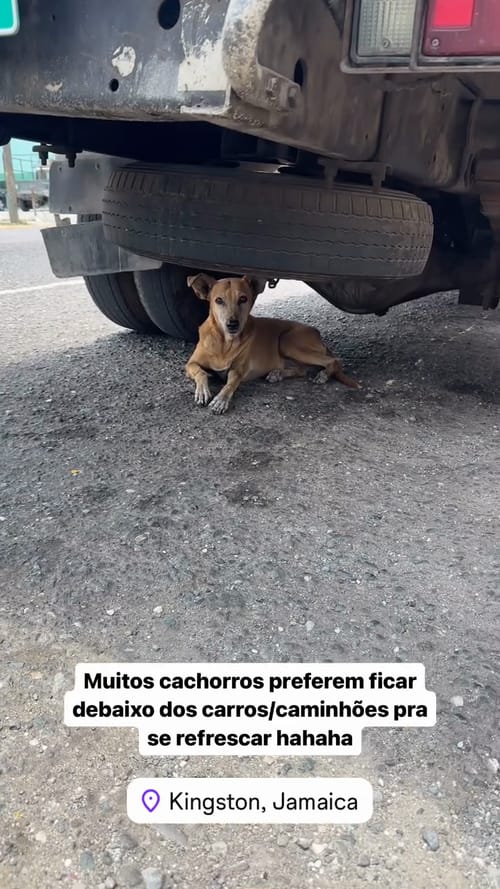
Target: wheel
(155,301)
(116,296)
(279,226)
(170,303)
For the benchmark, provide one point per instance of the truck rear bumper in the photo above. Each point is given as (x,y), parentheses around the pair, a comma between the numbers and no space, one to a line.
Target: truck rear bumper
(269,68)
(114,59)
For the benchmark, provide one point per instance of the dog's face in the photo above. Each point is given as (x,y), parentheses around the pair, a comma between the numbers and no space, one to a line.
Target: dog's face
(231,300)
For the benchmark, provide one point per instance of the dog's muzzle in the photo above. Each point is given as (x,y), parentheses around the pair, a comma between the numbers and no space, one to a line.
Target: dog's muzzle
(233,326)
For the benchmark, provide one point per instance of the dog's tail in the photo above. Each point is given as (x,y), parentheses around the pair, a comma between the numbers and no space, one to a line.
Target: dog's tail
(337,372)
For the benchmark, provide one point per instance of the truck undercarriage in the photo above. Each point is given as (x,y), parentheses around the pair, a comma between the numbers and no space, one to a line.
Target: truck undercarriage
(297,119)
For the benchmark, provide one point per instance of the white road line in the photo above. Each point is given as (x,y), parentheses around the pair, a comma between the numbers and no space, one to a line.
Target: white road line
(71,283)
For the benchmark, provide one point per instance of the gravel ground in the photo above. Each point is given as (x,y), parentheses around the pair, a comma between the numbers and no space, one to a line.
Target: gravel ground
(308,524)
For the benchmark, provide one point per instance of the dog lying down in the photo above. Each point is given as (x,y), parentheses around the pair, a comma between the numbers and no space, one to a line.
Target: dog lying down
(235,343)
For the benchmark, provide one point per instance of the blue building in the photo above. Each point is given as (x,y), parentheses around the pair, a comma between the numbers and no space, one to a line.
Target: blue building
(25,161)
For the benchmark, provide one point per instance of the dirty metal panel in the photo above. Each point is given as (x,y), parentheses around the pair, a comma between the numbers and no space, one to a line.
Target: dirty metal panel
(268,68)
(330,112)
(82,249)
(80,189)
(120,59)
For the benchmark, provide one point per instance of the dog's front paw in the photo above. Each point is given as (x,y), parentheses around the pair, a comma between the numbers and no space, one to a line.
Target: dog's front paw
(220,404)
(275,376)
(202,394)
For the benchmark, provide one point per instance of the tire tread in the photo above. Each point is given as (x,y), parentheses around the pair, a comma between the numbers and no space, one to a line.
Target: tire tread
(267,223)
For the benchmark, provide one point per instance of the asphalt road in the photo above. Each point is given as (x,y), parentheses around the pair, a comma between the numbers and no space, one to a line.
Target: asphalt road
(308,524)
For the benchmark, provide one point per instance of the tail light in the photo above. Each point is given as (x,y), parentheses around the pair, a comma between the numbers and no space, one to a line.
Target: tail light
(451,13)
(418,34)
(462,28)
(386,27)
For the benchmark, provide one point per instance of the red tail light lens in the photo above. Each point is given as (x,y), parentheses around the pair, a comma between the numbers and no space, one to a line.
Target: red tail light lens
(467,28)
(451,13)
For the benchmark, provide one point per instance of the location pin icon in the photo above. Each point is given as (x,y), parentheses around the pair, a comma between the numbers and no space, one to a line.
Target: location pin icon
(150,799)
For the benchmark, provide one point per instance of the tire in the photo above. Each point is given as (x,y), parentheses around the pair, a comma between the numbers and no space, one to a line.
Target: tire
(170,303)
(116,297)
(273,225)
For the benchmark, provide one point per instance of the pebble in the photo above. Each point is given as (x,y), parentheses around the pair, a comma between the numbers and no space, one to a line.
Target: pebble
(282,840)
(87,861)
(318,848)
(127,841)
(303,843)
(59,684)
(109,883)
(431,839)
(309,625)
(41,836)
(494,875)
(152,878)
(158,609)
(307,764)
(457,701)
(130,876)
(171,832)
(105,806)
(364,861)
(219,848)
(493,765)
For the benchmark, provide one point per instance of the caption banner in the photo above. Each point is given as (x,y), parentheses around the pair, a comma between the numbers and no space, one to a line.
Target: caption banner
(250,708)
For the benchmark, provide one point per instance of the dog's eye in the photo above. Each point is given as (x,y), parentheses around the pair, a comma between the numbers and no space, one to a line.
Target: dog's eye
(219,301)
(243,299)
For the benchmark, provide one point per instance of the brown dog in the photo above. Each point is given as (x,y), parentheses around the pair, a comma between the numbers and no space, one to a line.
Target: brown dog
(235,343)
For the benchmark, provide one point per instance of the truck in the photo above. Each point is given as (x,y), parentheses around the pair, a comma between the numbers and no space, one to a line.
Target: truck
(350,144)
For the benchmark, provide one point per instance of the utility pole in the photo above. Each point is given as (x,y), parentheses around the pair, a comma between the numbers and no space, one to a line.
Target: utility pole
(10,184)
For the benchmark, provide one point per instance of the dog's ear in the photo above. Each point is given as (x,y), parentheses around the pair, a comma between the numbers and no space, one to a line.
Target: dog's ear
(257,285)
(201,284)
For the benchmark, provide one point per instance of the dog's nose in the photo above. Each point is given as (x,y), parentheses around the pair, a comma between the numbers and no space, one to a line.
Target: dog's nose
(233,324)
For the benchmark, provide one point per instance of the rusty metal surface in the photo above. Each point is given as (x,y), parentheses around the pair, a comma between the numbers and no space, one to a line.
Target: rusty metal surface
(269,67)
(109,78)
(113,60)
